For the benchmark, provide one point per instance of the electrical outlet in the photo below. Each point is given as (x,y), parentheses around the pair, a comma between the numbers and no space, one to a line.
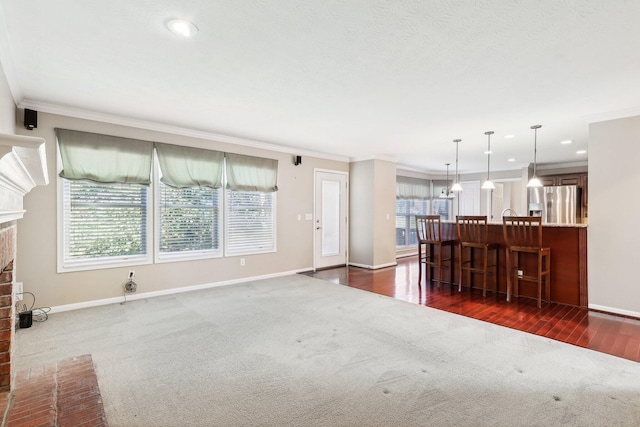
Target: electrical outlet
(19,289)
(241,262)
(132,275)
(520,273)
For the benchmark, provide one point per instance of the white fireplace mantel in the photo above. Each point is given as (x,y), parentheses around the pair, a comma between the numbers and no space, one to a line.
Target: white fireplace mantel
(23,165)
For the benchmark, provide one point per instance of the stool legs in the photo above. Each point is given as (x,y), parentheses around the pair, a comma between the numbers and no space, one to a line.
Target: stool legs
(542,278)
(433,260)
(464,250)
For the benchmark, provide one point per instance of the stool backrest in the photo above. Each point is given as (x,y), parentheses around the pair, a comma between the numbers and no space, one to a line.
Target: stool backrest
(428,228)
(524,231)
(472,228)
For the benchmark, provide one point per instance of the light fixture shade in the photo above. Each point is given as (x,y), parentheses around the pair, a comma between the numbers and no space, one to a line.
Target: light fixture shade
(488,185)
(456,187)
(534,182)
(442,195)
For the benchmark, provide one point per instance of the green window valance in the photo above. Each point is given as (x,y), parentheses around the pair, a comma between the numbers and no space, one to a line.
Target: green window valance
(104,158)
(412,188)
(187,167)
(112,159)
(248,173)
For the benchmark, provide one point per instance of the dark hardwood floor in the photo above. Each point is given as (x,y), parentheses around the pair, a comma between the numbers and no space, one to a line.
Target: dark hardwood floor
(604,332)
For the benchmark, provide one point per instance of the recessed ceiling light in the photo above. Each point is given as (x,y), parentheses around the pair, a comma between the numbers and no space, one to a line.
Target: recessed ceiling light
(581,152)
(566,141)
(511,160)
(509,136)
(182,28)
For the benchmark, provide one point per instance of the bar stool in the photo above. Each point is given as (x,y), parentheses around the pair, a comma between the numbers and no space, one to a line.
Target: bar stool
(523,235)
(472,236)
(429,231)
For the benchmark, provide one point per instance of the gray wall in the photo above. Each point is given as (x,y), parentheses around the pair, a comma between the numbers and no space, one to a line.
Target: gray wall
(614,231)
(372,199)
(37,244)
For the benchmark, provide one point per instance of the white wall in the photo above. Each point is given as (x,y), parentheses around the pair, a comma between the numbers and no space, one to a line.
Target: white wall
(37,230)
(614,229)
(7,107)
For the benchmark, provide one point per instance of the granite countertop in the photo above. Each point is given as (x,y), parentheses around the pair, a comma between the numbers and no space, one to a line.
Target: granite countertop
(584,225)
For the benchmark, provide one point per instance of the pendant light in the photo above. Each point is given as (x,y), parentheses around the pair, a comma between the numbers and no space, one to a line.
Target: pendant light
(534,181)
(488,184)
(456,185)
(445,193)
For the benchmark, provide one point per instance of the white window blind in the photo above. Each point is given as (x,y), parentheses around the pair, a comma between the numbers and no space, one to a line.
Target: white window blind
(406,211)
(250,222)
(104,223)
(412,198)
(190,221)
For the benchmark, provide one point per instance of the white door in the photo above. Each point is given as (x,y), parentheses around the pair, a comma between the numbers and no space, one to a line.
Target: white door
(330,219)
(495,202)
(469,198)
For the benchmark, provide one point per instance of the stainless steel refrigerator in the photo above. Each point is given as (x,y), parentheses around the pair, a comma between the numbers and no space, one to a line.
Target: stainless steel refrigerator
(557,204)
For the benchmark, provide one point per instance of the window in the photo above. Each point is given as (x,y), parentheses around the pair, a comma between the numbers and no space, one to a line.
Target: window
(104,223)
(442,207)
(412,198)
(406,211)
(107,205)
(250,222)
(190,222)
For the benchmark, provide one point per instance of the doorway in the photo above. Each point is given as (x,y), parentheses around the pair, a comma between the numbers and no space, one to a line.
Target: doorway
(331,222)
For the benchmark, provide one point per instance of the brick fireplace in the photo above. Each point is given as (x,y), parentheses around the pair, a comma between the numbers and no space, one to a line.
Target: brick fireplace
(22,167)
(7,313)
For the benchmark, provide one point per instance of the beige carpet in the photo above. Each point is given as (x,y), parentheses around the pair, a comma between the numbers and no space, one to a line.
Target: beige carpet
(298,351)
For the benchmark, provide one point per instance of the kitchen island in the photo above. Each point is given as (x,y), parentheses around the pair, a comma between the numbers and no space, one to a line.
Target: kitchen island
(568,243)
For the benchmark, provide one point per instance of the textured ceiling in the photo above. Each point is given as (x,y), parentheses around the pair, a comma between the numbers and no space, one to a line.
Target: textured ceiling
(357,78)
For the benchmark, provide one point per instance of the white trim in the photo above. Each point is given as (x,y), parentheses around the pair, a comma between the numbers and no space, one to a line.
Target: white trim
(615,310)
(373,267)
(174,130)
(346,210)
(612,115)
(565,165)
(22,167)
(139,296)
(406,254)
(392,159)
(107,262)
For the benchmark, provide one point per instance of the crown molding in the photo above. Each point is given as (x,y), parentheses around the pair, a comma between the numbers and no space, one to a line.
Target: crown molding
(547,166)
(391,159)
(613,115)
(170,129)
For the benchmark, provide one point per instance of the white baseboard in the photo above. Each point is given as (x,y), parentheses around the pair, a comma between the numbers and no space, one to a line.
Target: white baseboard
(373,267)
(136,296)
(406,254)
(615,310)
